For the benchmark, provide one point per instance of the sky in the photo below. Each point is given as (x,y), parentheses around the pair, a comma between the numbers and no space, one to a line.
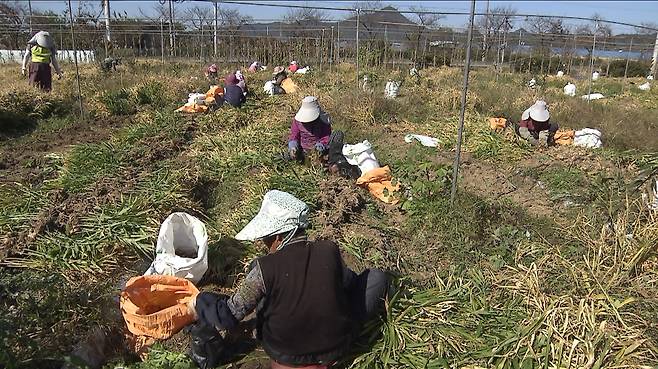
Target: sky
(634,12)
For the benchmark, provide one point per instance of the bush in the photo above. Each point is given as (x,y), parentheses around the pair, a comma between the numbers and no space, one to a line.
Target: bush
(119,102)
(635,68)
(151,93)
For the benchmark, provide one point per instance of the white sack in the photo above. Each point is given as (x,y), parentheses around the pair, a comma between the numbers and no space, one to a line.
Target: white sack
(588,137)
(361,154)
(268,88)
(392,89)
(595,76)
(196,98)
(592,97)
(186,234)
(570,89)
(645,86)
(424,140)
(303,70)
(560,73)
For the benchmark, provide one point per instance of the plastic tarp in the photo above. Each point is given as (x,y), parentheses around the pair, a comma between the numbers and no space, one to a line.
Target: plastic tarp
(570,89)
(182,248)
(156,305)
(361,155)
(588,137)
(424,140)
(378,182)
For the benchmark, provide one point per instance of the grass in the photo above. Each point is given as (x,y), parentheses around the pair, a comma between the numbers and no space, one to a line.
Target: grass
(486,282)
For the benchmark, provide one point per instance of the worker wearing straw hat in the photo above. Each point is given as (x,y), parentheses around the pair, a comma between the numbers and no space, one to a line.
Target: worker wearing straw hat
(310,130)
(310,306)
(40,53)
(535,125)
(278,76)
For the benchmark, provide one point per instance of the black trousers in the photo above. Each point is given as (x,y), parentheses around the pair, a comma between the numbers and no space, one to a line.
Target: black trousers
(367,292)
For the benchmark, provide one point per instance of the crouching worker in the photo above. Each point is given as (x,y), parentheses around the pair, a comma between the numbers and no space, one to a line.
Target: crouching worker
(233,94)
(41,52)
(310,130)
(310,306)
(535,125)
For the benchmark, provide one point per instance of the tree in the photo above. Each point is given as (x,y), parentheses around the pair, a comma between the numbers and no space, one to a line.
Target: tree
(644,31)
(495,26)
(12,20)
(425,21)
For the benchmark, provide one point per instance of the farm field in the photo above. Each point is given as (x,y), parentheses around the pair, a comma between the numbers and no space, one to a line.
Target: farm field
(547,258)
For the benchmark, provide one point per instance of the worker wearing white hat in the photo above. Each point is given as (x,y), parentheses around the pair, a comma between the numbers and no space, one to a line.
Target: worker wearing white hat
(310,306)
(41,52)
(310,130)
(535,125)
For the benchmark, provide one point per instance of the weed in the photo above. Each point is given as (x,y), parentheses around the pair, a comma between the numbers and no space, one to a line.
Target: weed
(119,102)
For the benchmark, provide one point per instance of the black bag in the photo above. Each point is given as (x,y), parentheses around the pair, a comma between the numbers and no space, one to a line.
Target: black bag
(207,347)
(337,158)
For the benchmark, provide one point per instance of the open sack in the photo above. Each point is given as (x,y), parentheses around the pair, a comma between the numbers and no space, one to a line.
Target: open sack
(156,305)
(182,248)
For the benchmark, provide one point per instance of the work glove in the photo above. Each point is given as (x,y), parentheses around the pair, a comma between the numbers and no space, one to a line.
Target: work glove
(292,153)
(543,138)
(319,147)
(23,71)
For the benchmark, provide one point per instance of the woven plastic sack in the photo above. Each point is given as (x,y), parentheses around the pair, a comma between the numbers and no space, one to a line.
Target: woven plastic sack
(392,89)
(182,248)
(156,305)
(361,155)
(570,89)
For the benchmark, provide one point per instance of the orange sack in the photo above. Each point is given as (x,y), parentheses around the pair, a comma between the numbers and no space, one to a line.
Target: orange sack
(378,182)
(289,86)
(497,124)
(156,305)
(564,136)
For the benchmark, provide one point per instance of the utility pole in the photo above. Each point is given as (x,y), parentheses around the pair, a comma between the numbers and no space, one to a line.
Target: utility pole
(460,131)
(215,26)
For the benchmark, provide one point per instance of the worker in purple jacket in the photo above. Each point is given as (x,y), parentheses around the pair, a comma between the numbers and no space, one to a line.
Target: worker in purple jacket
(310,130)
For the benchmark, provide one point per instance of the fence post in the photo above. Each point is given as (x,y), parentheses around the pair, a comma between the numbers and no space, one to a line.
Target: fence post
(162,38)
(214,38)
(654,60)
(460,131)
(75,58)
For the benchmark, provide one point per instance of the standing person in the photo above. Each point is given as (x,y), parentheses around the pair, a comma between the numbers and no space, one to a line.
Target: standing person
(41,52)
(310,130)
(233,94)
(535,125)
(310,306)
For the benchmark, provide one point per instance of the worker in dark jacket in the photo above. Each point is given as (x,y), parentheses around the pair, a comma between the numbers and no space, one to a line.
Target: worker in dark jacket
(535,125)
(310,305)
(41,52)
(233,94)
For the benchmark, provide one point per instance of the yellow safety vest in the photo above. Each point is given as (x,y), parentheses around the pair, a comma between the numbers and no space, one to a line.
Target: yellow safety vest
(40,54)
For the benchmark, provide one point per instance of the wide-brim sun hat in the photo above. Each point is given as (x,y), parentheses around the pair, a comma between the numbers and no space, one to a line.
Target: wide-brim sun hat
(293,62)
(279,213)
(278,70)
(537,112)
(231,79)
(309,111)
(44,39)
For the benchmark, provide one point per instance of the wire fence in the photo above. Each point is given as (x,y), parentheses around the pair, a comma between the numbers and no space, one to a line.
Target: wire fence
(387,37)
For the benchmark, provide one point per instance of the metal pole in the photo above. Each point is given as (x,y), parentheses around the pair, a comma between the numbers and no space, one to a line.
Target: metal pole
(29,7)
(106,9)
(358,13)
(654,59)
(171,31)
(486,33)
(214,38)
(332,51)
(75,58)
(628,58)
(162,38)
(338,48)
(591,63)
(460,131)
